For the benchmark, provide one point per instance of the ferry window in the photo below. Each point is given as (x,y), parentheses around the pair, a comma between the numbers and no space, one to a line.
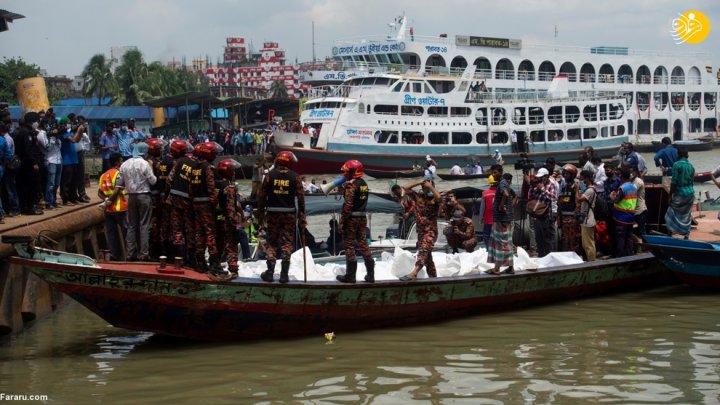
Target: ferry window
(603,112)
(386,109)
(536,116)
(555,114)
(438,111)
(427,88)
(398,87)
(411,110)
(573,134)
(660,126)
(643,127)
(442,86)
(695,124)
(694,101)
(677,100)
(481,116)
(499,137)
(620,130)
(590,133)
(616,111)
(537,136)
(417,87)
(518,117)
(412,137)
(643,100)
(461,138)
(382,81)
(604,132)
(499,116)
(590,113)
(710,124)
(460,111)
(438,138)
(481,138)
(368,108)
(709,100)
(555,135)
(386,137)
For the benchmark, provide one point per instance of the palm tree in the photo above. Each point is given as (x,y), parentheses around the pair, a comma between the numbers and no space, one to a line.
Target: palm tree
(278,89)
(98,77)
(131,75)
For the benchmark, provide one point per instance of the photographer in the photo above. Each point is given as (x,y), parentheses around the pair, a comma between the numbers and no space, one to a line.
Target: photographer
(32,156)
(460,233)
(82,146)
(540,199)
(53,164)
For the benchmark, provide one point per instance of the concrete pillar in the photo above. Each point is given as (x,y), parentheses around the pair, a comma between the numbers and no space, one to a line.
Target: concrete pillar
(11,292)
(37,299)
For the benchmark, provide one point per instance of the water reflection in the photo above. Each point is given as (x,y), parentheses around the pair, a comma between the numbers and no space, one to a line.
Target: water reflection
(661,346)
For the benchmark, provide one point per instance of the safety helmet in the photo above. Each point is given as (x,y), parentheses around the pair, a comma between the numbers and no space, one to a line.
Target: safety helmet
(155,146)
(179,148)
(228,167)
(208,150)
(285,158)
(352,169)
(570,168)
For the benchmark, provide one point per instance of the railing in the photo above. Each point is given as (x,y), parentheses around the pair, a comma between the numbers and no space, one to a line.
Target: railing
(677,80)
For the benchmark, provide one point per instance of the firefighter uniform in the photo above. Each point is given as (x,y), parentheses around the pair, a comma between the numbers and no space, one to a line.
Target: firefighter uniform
(181,216)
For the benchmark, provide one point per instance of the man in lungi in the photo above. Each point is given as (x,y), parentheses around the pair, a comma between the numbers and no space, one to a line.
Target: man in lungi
(678,216)
(501,249)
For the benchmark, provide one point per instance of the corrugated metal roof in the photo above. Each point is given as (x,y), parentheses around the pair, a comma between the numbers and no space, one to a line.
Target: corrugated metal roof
(141,113)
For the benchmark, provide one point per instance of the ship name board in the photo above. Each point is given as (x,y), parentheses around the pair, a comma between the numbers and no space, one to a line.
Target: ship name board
(321,113)
(428,100)
(489,42)
(367,49)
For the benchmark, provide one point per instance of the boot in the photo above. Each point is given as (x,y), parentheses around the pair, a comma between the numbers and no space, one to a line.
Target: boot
(178,251)
(284,269)
(202,266)
(370,267)
(268,274)
(215,266)
(350,271)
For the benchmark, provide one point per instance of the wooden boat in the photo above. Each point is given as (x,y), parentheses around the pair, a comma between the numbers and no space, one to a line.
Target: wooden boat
(701,177)
(694,262)
(710,204)
(393,174)
(452,177)
(176,301)
(692,145)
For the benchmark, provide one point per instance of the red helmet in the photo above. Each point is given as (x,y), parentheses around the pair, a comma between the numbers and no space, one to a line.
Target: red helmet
(208,150)
(155,146)
(285,158)
(352,169)
(179,148)
(228,167)
(570,168)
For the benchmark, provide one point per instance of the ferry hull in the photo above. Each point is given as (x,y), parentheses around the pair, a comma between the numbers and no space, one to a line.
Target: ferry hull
(135,296)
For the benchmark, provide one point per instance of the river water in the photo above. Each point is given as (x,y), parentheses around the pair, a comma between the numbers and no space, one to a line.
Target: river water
(655,346)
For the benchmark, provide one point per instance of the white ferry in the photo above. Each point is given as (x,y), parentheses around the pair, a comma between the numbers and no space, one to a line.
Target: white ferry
(413,96)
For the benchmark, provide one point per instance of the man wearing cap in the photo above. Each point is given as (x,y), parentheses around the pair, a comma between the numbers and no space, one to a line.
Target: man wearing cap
(136,176)
(544,193)
(485,213)
(460,232)
(125,141)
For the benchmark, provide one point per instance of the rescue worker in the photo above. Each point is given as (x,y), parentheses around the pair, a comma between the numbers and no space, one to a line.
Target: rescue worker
(277,210)
(202,192)
(177,192)
(427,205)
(161,168)
(460,232)
(115,210)
(229,214)
(353,221)
(568,210)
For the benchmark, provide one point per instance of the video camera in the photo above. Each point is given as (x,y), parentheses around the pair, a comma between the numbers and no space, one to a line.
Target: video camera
(524,164)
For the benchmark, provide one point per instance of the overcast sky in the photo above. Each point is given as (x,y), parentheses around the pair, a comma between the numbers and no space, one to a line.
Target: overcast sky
(61,36)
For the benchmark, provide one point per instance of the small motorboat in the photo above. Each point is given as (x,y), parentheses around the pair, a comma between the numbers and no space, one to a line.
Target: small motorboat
(694,262)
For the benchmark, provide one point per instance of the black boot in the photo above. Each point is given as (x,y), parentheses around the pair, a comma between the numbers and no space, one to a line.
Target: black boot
(268,274)
(215,266)
(370,267)
(284,269)
(350,271)
(179,251)
(202,266)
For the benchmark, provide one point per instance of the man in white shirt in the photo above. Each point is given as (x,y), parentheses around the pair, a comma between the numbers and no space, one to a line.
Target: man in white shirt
(600,175)
(136,176)
(456,169)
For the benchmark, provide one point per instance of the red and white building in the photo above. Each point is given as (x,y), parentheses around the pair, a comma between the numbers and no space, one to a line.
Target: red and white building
(246,73)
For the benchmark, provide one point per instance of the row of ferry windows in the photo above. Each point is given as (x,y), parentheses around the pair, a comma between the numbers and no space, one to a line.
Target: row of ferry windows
(520,116)
(495,138)
(678,100)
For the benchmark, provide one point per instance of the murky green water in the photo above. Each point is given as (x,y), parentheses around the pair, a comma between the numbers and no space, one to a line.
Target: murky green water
(658,346)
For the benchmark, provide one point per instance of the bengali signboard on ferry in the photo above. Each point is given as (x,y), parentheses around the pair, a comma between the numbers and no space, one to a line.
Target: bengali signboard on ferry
(368,48)
(489,42)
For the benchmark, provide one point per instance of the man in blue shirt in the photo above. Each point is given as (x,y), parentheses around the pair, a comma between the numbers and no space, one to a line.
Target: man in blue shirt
(665,158)
(70,162)
(125,141)
(109,144)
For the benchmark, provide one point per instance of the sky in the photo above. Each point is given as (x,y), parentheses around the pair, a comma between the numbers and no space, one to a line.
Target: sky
(61,37)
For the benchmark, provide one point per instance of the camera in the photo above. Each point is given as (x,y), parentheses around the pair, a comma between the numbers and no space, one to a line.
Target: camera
(535,181)
(524,164)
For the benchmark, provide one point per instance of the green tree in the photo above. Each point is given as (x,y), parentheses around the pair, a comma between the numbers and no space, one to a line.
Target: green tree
(11,71)
(99,79)
(278,89)
(131,77)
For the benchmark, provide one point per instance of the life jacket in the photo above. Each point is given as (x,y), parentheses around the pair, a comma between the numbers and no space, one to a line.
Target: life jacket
(360,197)
(199,183)
(183,176)
(624,210)
(107,187)
(220,185)
(250,231)
(281,189)
(566,199)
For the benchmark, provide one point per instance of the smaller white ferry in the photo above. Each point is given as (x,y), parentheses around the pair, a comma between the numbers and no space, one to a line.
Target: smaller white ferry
(390,121)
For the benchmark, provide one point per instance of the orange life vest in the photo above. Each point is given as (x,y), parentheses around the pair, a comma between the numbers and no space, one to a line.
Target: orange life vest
(107,187)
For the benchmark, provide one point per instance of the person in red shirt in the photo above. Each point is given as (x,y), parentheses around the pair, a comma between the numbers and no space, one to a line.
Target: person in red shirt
(485,211)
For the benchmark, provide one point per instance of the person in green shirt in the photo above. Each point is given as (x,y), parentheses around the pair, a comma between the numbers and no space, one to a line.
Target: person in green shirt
(678,217)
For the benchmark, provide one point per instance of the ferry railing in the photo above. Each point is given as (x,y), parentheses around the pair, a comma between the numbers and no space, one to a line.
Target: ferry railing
(660,80)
